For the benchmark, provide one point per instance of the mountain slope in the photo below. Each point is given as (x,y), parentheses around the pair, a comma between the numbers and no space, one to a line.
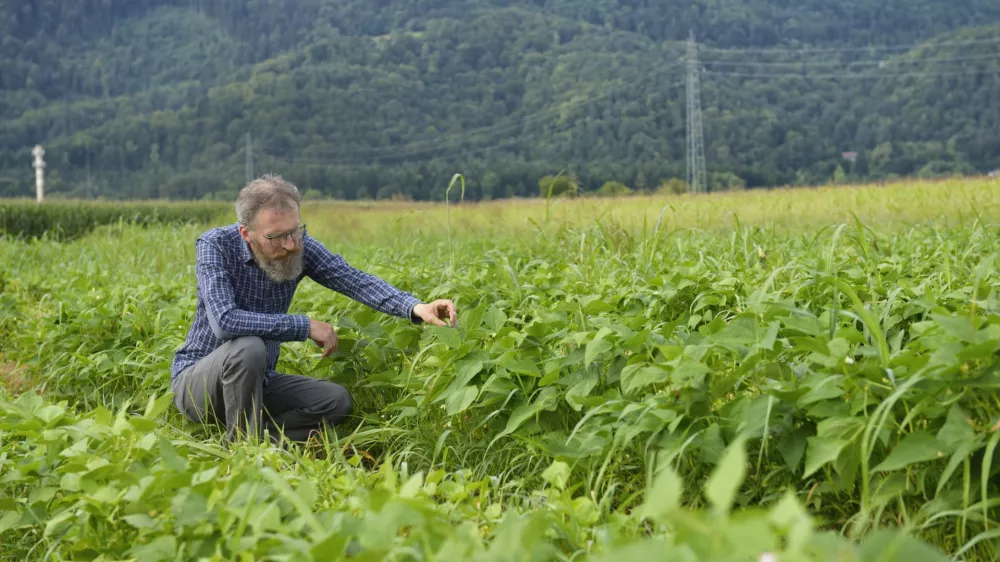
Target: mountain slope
(155,98)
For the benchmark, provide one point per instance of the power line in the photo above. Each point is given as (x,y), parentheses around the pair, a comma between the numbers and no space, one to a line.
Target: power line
(827,63)
(869,48)
(854,76)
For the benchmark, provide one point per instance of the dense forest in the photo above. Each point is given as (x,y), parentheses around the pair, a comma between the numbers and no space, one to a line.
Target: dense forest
(388,98)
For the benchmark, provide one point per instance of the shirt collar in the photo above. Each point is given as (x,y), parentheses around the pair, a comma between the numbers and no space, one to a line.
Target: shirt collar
(246,254)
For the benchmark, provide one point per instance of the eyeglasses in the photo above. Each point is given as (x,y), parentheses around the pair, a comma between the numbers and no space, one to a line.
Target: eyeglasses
(277,240)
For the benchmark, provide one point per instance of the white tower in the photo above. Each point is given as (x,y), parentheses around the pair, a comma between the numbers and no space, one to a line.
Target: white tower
(39,166)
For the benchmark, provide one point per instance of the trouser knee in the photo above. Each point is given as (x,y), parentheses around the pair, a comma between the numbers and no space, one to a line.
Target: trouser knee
(341,406)
(246,360)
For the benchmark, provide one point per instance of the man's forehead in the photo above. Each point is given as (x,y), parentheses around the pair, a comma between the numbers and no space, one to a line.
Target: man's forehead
(272,221)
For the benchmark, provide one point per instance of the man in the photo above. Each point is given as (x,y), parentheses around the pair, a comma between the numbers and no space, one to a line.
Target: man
(247,274)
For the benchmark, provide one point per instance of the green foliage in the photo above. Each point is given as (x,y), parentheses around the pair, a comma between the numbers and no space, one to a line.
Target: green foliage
(614,189)
(122,487)
(558,186)
(67,220)
(673,186)
(152,98)
(713,393)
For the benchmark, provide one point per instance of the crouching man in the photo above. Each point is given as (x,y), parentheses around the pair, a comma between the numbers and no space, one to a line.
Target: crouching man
(247,274)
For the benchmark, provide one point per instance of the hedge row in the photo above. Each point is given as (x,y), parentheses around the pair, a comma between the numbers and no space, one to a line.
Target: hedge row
(69,219)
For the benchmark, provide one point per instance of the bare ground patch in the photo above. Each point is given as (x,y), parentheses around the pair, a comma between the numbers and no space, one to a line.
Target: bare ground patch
(12,376)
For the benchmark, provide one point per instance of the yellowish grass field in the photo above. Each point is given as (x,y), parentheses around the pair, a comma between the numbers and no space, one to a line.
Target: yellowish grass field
(954,201)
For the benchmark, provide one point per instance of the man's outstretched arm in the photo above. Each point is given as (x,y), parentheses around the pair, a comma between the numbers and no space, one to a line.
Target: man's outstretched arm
(333,272)
(227,320)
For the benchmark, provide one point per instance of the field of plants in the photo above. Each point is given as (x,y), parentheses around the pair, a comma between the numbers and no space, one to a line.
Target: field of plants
(783,375)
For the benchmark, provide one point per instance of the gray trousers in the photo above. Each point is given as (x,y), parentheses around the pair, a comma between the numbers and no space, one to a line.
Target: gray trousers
(227,387)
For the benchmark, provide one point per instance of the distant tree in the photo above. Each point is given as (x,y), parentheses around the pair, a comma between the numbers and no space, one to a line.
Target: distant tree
(673,186)
(725,181)
(613,189)
(558,186)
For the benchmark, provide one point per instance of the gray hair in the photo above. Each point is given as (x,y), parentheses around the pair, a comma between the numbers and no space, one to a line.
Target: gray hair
(265,192)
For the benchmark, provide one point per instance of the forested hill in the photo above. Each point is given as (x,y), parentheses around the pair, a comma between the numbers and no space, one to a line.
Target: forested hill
(362,98)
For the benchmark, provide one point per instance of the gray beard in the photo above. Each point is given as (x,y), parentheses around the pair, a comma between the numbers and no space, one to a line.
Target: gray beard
(281,271)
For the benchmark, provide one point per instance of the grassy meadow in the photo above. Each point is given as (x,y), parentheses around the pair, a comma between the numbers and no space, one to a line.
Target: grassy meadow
(801,374)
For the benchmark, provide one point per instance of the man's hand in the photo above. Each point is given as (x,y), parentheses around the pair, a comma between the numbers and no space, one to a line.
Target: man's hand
(324,336)
(437,312)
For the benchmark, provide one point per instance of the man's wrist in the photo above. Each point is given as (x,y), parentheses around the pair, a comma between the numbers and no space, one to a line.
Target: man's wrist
(303,326)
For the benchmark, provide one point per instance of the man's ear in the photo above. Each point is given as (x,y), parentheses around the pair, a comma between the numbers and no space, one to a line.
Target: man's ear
(245,233)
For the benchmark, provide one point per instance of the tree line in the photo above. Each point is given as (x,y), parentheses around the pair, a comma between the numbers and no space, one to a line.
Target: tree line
(352,99)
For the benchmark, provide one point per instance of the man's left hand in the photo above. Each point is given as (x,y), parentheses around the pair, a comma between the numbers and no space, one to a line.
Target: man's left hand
(437,312)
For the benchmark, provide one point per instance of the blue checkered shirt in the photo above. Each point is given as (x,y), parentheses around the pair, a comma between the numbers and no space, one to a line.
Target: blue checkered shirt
(236,298)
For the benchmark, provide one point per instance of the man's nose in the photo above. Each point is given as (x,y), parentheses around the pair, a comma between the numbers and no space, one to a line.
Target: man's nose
(288,243)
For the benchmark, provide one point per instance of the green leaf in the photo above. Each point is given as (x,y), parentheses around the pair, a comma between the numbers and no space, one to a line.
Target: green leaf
(160,548)
(596,347)
(517,417)
(712,445)
(961,453)
(140,521)
(826,387)
(522,366)
(446,335)
(580,390)
(665,494)
(727,477)
(412,486)
(915,447)
(958,327)
(9,520)
(460,400)
(892,545)
(957,428)
(495,319)
(557,474)
(820,451)
(792,447)
(635,377)
(156,406)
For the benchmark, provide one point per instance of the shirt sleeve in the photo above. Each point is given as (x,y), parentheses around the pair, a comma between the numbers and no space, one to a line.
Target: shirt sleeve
(215,288)
(333,272)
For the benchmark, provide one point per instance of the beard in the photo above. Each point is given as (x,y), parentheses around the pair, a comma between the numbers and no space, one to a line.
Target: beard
(280,270)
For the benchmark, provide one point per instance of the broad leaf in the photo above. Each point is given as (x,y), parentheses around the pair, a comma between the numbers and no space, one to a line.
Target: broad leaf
(727,477)
(915,447)
(820,451)
(596,347)
(665,493)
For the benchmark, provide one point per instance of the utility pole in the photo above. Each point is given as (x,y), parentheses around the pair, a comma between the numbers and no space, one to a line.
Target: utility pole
(696,178)
(39,165)
(248,149)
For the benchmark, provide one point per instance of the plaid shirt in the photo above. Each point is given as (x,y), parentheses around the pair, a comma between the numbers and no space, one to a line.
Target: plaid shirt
(235,297)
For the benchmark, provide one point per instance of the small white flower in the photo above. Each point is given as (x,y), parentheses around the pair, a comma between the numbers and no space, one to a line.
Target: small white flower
(768,557)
